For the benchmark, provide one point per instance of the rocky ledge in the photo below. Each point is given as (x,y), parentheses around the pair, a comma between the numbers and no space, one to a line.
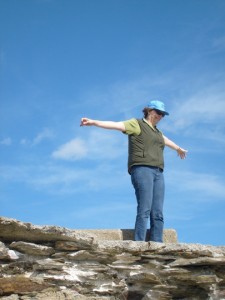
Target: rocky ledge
(55,263)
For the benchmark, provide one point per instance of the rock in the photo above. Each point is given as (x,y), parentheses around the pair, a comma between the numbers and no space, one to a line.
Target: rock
(6,254)
(12,297)
(3,252)
(32,249)
(54,263)
(48,264)
(13,230)
(120,246)
(81,255)
(67,246)
(169,235)
(200,261)
(20,285)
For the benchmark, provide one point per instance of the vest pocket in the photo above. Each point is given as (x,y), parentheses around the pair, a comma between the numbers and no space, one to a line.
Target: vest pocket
(140,154)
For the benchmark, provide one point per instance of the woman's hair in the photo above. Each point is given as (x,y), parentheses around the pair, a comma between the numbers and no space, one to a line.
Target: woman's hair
(146,111)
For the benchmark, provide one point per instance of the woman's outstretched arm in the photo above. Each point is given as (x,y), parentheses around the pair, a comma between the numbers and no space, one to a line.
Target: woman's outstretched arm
(180,151)
(103,124)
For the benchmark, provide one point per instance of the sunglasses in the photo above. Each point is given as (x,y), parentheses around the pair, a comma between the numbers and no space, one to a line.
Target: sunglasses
(159,112)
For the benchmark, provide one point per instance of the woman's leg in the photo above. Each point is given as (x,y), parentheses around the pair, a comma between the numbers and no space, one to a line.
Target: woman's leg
(142,178)
(156,216)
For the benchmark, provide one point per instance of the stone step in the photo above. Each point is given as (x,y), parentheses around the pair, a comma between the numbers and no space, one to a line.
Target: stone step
(169,235)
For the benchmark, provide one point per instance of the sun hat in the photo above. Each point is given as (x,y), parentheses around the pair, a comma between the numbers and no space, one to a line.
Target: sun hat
(156,104)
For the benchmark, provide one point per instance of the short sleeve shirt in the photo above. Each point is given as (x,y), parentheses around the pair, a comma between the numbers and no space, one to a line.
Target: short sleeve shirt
(132,126)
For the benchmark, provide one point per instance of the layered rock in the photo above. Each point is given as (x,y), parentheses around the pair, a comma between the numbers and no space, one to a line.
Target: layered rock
(49,262)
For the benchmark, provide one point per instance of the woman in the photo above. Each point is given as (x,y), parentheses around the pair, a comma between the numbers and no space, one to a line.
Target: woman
(145,165)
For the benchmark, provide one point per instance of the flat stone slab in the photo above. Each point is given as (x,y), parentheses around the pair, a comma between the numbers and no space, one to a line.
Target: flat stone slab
(169,235)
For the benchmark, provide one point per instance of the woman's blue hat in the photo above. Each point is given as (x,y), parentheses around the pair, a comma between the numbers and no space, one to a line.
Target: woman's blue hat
(155,104)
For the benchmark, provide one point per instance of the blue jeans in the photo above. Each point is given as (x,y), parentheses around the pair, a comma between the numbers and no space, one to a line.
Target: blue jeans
(149,188)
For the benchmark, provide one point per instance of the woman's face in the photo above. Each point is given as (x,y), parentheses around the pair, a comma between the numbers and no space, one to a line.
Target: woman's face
(155,116)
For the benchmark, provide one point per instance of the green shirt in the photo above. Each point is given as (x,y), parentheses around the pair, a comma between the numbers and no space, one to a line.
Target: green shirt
(132,126)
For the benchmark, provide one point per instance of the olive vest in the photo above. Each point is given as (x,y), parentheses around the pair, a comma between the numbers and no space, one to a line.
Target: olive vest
(146,148)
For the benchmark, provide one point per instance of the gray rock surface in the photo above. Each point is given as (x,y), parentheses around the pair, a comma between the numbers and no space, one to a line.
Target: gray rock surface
(55,263)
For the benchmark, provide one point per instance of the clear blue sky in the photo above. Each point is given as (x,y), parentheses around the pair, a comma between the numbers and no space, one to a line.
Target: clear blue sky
(106,59)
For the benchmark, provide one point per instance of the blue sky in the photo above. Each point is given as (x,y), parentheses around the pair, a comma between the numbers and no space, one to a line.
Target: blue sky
(106,59)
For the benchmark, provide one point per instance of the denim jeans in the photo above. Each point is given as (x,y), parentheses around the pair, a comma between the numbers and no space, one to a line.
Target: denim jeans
(149,188)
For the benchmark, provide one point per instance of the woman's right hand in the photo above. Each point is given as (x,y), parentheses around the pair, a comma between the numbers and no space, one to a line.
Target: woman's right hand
(86,122)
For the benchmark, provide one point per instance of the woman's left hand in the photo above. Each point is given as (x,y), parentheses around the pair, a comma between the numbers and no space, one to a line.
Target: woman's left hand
(182,153)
